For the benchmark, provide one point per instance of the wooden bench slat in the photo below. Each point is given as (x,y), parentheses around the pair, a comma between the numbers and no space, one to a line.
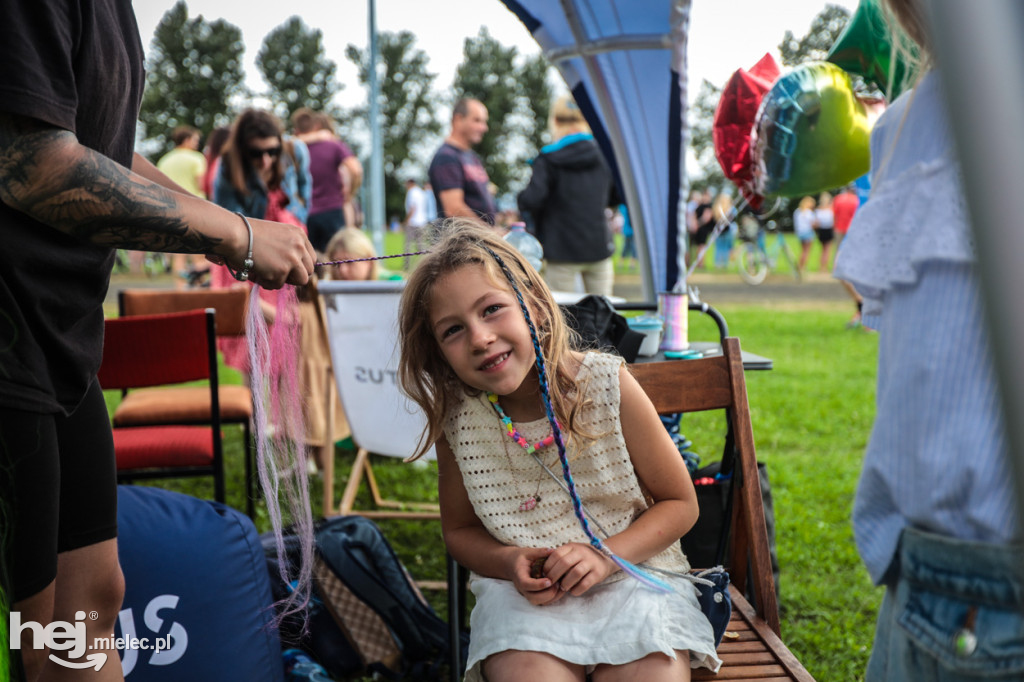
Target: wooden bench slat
(749,672)
(740,647)
(742,658)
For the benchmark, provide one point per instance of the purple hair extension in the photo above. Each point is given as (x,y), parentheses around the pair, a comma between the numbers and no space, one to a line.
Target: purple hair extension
(577,505)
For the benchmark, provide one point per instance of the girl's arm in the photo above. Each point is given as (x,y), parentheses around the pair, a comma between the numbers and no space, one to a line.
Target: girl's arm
(471,545)
(661,472)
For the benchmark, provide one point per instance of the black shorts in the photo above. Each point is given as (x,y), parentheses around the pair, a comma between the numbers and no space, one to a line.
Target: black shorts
(700,237)
(825,234)
(58,490)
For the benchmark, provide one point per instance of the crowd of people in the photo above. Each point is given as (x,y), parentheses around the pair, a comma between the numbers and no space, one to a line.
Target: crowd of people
(308,176)
(822,220)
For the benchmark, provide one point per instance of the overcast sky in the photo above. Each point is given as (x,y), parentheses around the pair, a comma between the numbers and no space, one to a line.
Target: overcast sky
(724,34)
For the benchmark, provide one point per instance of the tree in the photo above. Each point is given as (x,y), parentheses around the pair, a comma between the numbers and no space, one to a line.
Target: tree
(407,111)
(194,70)
(814,46)
(295,68)
(518,99)
(702,116)
(535,98)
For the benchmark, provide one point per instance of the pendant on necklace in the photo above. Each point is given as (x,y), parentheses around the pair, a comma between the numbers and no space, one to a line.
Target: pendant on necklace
(529,503)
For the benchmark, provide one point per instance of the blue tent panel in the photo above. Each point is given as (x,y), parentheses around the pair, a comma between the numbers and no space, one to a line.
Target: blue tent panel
(623,61)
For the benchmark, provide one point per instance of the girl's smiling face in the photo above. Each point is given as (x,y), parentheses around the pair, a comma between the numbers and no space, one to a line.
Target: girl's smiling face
(482,333)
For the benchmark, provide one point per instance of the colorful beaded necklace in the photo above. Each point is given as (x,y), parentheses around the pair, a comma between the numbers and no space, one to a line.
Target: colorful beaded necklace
(532,501)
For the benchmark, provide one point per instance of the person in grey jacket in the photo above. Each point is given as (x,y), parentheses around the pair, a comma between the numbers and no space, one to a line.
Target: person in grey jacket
(569,190)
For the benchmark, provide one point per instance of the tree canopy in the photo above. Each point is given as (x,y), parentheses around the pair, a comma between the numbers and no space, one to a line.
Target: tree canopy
(408,115)
(518,98)
(702,116)
(296,70)
(194,71)
(814,46)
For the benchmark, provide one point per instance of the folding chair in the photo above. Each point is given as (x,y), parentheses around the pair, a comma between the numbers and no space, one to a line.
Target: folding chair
(191,405)
(156,350)
(362,323)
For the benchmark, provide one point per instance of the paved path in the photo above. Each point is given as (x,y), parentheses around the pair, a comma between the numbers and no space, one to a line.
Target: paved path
(717,288)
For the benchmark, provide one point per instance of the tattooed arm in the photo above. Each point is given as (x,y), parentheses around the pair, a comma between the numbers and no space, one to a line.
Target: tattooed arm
(46,173)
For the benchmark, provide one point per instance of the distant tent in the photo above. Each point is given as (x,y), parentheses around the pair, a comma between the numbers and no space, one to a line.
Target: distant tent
(624,61)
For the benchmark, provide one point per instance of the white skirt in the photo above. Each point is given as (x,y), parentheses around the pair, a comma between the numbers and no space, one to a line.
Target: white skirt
(615,623)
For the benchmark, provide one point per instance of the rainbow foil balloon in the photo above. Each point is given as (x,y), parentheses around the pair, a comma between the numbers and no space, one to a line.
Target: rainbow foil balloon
(812,133)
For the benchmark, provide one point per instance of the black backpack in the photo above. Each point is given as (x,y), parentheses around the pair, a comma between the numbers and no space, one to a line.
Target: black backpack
(601,327)
(366,614)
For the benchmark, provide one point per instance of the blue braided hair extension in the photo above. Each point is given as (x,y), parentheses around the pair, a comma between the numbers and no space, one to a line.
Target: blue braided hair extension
(577,505)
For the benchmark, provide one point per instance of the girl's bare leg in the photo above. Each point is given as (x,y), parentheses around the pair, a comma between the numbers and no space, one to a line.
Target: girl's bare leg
(514,666)
(656,667)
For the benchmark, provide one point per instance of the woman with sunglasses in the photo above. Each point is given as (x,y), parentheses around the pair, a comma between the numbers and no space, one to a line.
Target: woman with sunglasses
(261,172)
(260,175)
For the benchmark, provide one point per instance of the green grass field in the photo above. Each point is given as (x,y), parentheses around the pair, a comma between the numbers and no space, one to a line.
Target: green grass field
(811,417)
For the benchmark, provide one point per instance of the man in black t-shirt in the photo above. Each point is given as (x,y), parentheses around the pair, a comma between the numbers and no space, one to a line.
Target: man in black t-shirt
(705,225)
(71,191)
(458,176)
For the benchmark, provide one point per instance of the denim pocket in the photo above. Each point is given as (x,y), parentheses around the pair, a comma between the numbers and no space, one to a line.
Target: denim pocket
(933,621)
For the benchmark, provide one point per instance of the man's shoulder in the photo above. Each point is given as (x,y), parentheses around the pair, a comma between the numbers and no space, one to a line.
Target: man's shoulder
(446,153)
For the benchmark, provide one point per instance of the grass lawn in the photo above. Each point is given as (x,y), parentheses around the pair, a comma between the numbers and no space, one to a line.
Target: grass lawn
(811,417)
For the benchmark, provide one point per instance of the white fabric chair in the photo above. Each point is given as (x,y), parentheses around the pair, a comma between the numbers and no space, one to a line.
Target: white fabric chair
(362,328)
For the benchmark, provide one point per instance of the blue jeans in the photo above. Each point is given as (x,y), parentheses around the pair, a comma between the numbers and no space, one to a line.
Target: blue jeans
(941,589)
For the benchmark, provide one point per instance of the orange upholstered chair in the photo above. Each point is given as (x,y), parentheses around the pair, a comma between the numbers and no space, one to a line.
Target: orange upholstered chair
(191,405)
(156,350)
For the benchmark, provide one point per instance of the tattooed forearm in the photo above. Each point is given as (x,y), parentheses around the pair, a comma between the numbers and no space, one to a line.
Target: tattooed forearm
(45,173)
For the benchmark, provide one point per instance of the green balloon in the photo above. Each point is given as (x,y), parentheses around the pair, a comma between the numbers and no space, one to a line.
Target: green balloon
(865,49)
(812,133)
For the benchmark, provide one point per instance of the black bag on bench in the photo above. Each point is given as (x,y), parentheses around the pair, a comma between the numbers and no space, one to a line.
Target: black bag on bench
(366,614)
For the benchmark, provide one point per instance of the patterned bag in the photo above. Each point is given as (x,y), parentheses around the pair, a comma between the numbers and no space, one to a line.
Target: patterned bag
(366,615)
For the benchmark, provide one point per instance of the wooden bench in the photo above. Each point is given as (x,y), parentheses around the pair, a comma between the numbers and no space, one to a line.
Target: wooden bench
(752,648)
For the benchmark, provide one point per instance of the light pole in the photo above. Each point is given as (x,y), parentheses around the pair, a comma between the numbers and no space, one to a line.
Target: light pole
(375,180)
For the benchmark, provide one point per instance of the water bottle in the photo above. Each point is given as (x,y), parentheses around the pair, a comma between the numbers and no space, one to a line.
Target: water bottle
(526,244)
(299,667)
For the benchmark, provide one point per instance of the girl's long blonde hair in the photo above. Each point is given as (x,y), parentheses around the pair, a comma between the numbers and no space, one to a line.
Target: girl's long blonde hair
(909,37)
(355,243)
(425,375)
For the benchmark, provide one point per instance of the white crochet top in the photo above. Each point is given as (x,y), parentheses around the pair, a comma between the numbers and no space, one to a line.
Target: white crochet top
(499,475)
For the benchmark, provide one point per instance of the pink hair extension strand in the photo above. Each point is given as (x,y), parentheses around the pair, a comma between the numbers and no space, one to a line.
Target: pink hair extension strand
(280,437)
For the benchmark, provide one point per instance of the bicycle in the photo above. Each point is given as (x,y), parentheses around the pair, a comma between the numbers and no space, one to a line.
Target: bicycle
(757,257)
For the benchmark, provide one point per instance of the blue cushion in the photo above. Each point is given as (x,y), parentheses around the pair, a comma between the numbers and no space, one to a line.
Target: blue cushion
(194,570)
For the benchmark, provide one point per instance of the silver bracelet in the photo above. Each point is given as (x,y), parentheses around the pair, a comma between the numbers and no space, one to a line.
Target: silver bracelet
(243,274)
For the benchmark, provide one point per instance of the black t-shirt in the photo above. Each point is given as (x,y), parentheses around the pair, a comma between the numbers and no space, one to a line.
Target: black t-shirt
(454,168)
(77,65)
